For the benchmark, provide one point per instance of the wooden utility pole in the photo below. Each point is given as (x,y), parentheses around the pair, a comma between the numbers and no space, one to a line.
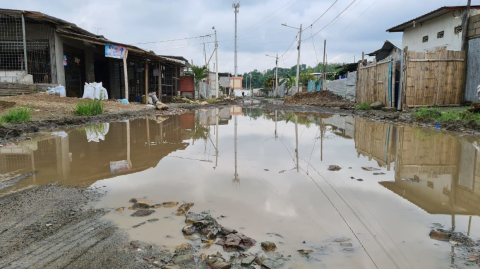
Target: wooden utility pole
(146,81)
(324,58)
(466,17)
(125,73)
(160,81)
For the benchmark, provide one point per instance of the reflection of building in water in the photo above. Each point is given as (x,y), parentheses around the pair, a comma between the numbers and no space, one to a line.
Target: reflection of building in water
(341,125)
(209,117)
(376,141)
(436,172)
(72,160)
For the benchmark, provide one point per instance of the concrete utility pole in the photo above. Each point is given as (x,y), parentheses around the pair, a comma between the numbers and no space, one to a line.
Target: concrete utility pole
(324,59)
(236,6)
(298,59)
(251,83)
(276,72)
(298,48)
(216,63)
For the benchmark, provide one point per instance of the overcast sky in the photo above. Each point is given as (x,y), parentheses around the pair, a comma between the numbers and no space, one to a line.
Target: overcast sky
(360,28)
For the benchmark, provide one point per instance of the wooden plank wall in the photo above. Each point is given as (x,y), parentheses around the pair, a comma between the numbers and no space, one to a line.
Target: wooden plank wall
(373,81)
(434,77)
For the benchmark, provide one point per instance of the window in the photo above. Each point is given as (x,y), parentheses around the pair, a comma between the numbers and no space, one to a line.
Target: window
(440,34)
(458,29)
(425,39)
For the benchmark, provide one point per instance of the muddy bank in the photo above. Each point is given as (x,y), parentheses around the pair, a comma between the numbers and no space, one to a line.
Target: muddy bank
(55,227)
(321,98)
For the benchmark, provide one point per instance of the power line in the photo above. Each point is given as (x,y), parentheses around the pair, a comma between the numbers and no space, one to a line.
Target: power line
(323,13)
(358,16)
(268,16)
(290,45)
(332,20)
(268,20)
(171,40)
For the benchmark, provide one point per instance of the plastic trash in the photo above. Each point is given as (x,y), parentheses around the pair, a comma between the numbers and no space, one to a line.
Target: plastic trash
(124,101)
(94,91)
(154,97)
(61,134)
(59,90)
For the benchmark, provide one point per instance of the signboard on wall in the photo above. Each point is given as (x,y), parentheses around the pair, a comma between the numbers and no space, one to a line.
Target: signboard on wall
(114,51)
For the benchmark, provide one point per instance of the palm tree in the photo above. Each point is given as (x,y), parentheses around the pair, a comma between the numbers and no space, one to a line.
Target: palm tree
(199,73)
(289,80)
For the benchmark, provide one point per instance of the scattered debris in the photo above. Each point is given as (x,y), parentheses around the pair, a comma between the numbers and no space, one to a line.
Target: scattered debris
(268,246)
(120,209)
(161,106)
(183,209)
(370,169)
(378,174)
(305,252)
(320,98)
(142,213)
(334,168)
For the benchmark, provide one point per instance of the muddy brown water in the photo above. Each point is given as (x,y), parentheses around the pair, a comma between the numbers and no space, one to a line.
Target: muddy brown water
(259,185)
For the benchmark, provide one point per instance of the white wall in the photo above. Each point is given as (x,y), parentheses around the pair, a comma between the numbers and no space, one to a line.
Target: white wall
(413,36)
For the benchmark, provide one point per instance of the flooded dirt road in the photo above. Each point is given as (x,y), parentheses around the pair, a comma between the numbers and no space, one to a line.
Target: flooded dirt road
(266,174)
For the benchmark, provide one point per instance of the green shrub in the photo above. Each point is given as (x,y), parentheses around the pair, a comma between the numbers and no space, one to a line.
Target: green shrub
(89,108)
(364,106)
(15,115)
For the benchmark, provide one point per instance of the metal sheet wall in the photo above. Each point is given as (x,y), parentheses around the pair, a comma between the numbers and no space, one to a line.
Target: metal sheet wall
(473,70)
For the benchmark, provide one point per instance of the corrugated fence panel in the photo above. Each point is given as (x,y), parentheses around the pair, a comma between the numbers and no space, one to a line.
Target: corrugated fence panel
(473,70)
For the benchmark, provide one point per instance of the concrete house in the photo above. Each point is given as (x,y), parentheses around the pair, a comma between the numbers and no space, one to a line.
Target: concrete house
(439,28)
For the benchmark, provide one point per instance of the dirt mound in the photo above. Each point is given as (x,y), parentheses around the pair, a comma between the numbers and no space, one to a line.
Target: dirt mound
(321,98)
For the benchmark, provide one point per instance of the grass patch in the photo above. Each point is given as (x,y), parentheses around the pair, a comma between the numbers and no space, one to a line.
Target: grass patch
(212,100)
(16,115)
(89,108)
(363,106)
(446,114)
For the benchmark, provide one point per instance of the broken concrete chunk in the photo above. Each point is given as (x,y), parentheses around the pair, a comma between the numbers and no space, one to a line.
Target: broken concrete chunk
(169,204)
(189,230)
(142,213)
(183,209)
(193,217)
(248,260)
(268,246)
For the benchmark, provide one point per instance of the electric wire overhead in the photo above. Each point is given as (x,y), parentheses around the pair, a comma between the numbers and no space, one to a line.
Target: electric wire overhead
(343,11)
(311,25)
(163,41)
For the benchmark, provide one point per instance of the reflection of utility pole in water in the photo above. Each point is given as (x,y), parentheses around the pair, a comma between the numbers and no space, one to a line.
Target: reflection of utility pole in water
(129,162)
(296,140)
(321,139)
(276,125)
(148,133)
(216,142)
(236,179)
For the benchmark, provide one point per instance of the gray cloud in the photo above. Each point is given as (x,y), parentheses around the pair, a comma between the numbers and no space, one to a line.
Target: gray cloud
(360,28)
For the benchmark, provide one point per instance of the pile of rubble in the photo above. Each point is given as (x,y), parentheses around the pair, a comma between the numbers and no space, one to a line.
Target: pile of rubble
(206,228)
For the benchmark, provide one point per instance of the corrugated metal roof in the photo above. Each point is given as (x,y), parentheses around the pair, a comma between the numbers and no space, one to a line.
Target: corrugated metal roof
(432,15)
(70,30)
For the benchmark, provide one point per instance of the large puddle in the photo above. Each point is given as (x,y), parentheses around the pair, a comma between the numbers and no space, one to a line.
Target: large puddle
(266,175)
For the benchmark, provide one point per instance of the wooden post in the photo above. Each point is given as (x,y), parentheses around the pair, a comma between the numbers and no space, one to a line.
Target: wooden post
(160,81)
(363,57)
(404,78)
(125,73)
(146,81)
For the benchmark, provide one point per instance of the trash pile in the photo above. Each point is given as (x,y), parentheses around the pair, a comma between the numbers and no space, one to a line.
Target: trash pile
(320,98)
(94,91)
(59,91)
